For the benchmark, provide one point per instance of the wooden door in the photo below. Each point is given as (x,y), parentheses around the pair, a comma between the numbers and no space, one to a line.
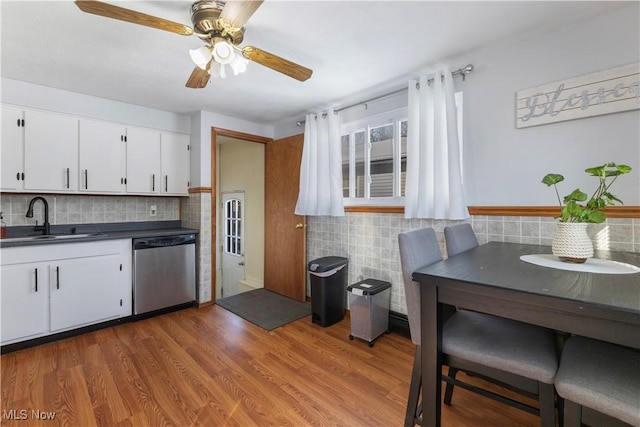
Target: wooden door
(285,269)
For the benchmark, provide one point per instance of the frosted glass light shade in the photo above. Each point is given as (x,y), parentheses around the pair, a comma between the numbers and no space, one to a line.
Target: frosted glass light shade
(201,56)
(223,53)
(239,64)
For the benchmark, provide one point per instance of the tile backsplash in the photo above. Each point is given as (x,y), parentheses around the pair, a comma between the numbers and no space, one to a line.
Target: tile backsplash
(85,209)
(370,241)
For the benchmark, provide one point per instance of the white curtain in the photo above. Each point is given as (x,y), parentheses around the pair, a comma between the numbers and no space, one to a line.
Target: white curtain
(321,167)
(434,177)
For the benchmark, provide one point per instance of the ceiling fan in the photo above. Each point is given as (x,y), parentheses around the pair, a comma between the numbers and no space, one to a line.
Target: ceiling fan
(220,24)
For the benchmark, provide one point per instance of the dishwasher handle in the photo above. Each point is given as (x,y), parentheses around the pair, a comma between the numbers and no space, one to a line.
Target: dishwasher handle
(161,242)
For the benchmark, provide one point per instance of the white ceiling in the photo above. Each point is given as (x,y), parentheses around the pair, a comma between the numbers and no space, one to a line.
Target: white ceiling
(354,48)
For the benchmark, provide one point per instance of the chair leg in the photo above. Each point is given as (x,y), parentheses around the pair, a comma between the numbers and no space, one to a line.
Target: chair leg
(448,391)
(547,401)
(572,414)
(412,415)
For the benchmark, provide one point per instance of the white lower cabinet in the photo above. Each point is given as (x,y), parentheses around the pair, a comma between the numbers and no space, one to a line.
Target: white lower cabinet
(78,284)
(85,290)
(25,300)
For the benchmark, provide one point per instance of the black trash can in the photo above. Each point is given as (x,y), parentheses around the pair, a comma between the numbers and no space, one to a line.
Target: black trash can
(328,284)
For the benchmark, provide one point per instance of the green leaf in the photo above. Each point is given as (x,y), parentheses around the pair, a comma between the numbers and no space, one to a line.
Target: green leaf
(552,179)
(576,195)
(612,198)
(596,217)
(623,169)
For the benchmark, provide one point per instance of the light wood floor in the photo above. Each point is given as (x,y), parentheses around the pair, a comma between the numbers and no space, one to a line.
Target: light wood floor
(209,367)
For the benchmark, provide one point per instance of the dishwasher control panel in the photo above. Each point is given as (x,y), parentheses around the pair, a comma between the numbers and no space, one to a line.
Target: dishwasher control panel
(158,242)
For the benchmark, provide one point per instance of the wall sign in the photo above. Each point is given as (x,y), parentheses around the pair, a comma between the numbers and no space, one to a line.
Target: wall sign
(604,92)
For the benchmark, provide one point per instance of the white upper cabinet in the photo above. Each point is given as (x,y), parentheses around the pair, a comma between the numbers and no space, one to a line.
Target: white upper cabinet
(143,161)
(12,139)
(174,155)
(102,156)
(50,152)
(57,153)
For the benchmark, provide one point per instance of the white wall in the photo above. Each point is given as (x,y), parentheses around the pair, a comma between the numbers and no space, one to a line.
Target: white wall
(504,165)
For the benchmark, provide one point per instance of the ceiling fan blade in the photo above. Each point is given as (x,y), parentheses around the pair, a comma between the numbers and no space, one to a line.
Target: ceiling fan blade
(236,13)
(122,14)
(276,63)
(199,78)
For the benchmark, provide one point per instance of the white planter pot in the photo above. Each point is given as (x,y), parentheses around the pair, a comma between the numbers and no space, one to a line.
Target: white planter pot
(571,242)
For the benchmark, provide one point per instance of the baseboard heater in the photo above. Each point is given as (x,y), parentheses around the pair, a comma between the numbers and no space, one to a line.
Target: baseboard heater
(399,322)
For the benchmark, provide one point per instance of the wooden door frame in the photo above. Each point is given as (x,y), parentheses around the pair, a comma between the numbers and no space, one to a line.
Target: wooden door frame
(215,132)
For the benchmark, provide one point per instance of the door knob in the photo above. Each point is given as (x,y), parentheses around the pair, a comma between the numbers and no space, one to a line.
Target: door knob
(300,225)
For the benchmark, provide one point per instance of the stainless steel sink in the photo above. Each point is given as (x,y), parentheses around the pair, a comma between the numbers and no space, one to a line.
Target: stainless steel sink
(51,237)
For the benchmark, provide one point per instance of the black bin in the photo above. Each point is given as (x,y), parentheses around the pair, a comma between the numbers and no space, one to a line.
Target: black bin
(328,283)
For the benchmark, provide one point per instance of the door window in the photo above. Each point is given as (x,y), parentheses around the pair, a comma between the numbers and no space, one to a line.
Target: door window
(233,227)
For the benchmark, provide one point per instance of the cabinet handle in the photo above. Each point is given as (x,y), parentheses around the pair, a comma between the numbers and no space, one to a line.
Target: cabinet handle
(22,176)
(58,277)
(18,176)
(86,179)
(166,183)
(36,280)
(153,182)
(67,177)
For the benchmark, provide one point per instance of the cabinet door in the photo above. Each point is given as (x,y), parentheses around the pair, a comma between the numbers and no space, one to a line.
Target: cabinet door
(50,152)
(102,156)
(12,131)
(143,161)
(25,302)
(85,291)
(174,156)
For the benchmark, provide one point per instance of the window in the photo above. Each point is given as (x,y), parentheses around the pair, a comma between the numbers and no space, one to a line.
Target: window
(374,158)
(233,227)
(374,154)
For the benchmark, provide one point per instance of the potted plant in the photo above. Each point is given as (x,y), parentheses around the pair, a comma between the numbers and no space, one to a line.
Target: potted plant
(571,242)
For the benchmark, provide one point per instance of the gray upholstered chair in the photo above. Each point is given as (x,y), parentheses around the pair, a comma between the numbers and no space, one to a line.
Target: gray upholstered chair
(515,355)
(459,238)
(599,382)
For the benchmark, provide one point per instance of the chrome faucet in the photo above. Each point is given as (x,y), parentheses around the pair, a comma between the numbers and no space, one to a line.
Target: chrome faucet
(46,227)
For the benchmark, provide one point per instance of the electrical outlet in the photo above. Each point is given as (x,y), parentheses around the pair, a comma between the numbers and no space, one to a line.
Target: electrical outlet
(153,210)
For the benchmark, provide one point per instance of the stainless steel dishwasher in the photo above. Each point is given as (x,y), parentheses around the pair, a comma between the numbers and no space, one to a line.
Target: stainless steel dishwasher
(164,272)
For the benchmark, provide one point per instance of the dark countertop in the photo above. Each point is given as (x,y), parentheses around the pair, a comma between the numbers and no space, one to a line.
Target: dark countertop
(95,232)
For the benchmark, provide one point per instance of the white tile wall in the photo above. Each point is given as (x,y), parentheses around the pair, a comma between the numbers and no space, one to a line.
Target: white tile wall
(370,241)
(196,213)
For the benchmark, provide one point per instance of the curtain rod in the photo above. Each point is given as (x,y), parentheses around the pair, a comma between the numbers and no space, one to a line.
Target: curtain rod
(461,71)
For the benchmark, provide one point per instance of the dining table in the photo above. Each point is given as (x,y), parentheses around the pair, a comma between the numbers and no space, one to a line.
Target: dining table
(525,282)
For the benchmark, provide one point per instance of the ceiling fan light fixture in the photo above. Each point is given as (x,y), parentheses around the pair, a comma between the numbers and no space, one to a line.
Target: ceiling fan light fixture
(239,64)
(201,56)
(217,70)
(223,53)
